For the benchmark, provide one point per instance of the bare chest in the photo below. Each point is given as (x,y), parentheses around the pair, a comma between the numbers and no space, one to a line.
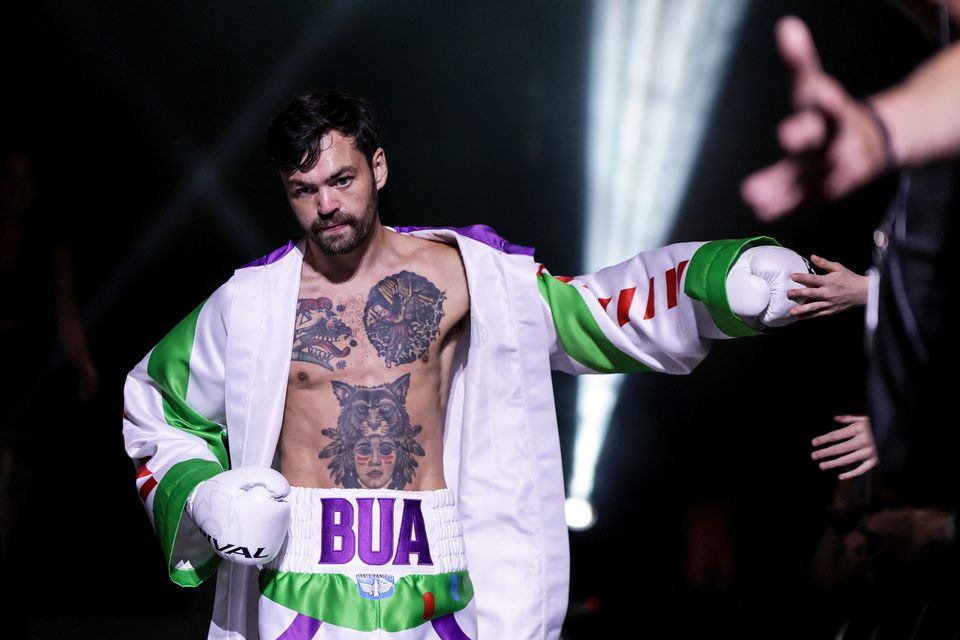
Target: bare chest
(367,389)
(395,322)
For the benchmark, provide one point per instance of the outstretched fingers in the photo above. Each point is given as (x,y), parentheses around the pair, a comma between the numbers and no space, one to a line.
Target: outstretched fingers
(847,445)
(775,190)
(859,470)
(796,46)
(803,132)
(827,265)
(836,435)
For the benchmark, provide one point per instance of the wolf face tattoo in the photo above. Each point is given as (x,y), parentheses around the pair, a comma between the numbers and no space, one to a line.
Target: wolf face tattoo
(373,445)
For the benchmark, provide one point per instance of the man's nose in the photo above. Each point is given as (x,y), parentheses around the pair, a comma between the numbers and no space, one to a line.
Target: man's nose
(327,202)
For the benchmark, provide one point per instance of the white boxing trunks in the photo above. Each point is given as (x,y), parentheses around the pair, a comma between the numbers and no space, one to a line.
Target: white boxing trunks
(369,564)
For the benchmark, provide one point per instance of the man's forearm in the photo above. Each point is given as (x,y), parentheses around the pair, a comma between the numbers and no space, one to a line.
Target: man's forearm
(922,113)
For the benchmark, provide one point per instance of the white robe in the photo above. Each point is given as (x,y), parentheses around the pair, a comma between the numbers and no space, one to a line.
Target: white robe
(226,368)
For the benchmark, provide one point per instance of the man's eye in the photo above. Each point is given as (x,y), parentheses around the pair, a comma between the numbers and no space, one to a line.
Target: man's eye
(344,181)
(303,191)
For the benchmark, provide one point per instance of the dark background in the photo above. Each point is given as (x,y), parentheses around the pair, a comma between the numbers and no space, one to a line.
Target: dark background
(147,121)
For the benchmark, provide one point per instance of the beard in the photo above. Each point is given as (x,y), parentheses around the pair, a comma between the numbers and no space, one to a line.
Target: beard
(357,229)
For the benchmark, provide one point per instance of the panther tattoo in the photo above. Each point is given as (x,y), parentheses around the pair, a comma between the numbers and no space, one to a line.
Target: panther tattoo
(402,317)
(373,445)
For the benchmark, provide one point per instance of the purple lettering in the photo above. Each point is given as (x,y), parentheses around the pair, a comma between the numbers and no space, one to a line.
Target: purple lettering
(365,531)
(413,535)
(330,530)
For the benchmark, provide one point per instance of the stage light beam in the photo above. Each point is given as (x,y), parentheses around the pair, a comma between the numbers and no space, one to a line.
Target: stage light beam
(654,71)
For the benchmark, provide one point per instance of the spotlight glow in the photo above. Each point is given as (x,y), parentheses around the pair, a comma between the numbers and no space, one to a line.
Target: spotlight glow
(580,515)
(655,68)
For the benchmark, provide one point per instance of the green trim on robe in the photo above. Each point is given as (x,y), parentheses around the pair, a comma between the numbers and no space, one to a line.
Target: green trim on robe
(169,503)
(169,368)
(706,281)
(578,331)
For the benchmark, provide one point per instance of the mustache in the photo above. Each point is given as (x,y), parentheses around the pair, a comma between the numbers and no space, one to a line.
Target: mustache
(319,225)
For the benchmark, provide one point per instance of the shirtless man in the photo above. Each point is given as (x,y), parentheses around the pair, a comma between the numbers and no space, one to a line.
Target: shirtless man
(378,317)
(349,418)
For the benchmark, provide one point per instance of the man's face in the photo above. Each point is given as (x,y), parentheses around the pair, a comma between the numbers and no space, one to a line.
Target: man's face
(375,458)
(336,201)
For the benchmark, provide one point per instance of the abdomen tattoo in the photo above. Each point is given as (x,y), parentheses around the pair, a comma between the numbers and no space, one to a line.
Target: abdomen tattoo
(402,317)
(373,445)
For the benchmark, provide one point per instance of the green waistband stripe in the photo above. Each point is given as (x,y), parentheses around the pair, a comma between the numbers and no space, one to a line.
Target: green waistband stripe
(336,598)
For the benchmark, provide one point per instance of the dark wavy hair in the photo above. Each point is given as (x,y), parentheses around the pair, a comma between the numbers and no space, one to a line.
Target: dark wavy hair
(293,136)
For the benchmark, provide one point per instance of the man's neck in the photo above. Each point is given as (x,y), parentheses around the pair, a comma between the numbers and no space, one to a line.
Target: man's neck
(339,269)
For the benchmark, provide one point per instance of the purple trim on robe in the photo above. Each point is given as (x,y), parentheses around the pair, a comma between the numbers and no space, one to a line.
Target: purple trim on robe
(480,233)
(302,628)
(273,256)
(447,628)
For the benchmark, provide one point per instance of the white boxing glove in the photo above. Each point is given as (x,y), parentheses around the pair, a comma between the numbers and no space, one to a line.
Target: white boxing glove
(758,282)
(243,513)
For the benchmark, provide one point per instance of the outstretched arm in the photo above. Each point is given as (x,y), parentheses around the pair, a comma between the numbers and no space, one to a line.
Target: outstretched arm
(659,310)
(834,144)
(921,112)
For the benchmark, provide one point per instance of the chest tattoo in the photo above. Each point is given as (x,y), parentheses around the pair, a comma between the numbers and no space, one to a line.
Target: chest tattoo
(373,445)
(321,337)
(402,317)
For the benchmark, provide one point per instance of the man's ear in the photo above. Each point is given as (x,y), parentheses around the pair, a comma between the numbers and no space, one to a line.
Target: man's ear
(379,164)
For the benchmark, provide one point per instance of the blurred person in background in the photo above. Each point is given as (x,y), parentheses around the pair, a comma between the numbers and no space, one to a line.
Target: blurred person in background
(38,314)
(890,547)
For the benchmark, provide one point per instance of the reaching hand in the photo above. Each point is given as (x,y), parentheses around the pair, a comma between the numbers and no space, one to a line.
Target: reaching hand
(833,145)
(839,290)
(854,444)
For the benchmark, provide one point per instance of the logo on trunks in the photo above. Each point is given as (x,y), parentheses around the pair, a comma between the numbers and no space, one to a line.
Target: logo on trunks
(232,549)
(341,541)
(375,586)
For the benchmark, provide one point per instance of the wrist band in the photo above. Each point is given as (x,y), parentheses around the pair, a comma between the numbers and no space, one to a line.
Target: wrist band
(889,158)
